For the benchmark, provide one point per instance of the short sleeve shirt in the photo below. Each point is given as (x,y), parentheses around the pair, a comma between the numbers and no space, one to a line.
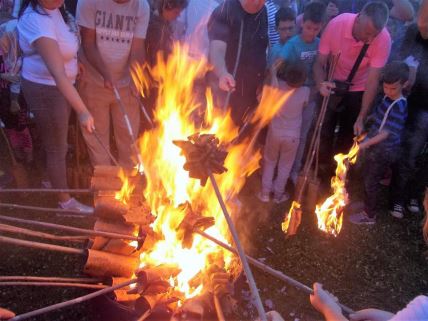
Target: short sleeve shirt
(297,50)
(225,25)
(33,25)
(116,25)
(337,38)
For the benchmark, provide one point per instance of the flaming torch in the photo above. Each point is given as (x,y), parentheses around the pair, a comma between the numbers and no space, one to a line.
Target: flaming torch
(330,213)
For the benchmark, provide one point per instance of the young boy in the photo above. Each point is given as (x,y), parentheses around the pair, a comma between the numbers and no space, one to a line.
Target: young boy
(383,140)
(284,132)
(304,47)
(285,20)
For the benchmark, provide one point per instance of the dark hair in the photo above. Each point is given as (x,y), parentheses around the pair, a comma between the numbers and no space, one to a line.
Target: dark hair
(315,12)
(395,71)
(378,12)
(284,14)
(35,5)
(171,4)
(326,2)
(293,73)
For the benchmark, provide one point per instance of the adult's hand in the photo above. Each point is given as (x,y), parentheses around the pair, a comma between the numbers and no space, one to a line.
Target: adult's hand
(358,126)
(227,82)
(371,315)
(326,88)
(6,314)
(87,121)
(325,302)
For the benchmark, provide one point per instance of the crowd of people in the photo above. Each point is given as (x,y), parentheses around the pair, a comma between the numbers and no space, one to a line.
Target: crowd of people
(75,56)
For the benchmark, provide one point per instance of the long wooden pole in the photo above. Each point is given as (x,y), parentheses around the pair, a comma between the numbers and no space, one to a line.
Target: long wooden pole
(49,279)
(47,190)
(43,209)
(42,246)
(240,251)
(266,268)
(73,229)
(19,230)
(54,284)
(65,304)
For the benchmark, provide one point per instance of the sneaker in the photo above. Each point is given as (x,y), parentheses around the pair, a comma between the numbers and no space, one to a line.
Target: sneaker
(413,206)
(281,199)
(263,197)
(397,211)
(362,218)
(73,205)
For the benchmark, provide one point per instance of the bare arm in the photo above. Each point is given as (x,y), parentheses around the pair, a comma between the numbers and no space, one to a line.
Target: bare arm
(218,60)
(380,137)
(51,55)
(93,56)
(368,97)
(319,69)
(402,10)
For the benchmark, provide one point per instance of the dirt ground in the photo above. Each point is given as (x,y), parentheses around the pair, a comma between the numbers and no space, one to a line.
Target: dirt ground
(383,266)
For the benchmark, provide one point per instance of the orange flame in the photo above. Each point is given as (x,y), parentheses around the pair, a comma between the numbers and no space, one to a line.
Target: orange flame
(124,195)
(169,185)
(286,224)
(330,213)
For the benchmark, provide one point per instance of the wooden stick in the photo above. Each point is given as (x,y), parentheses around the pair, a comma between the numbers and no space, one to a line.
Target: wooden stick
(55,284)
(73,229)
(50,279)
(109,154)
(58,306)
(240,251)
(266,268)
(42,246)
(42,209)
(218,308)
(19,230)
(47,190)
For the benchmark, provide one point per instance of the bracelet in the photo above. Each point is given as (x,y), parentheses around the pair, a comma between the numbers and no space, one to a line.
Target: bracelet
(84,116)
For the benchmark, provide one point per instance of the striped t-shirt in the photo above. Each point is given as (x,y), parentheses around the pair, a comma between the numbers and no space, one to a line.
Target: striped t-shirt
(391,116)
(272,9)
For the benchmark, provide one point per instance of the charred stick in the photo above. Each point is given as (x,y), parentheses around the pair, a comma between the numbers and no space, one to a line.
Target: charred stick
(19,230)
(58,306)
(240,252)
(41,209)
(47,190)
(55,284)
(265,268)
(49,279)
(106,149)
(86,232)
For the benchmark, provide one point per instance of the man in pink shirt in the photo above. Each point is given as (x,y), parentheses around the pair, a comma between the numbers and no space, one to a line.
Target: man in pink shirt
(346,35)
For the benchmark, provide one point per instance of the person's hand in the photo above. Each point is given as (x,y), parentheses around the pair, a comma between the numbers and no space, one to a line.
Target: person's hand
(226,82)
(371,315)
(326,88)
(358,126)
(274,316)
(6,314)
(325,302)
(81,70)
(108,81)
(87,121)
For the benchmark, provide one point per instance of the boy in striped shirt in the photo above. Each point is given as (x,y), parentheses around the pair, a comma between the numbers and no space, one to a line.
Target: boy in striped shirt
(381,146)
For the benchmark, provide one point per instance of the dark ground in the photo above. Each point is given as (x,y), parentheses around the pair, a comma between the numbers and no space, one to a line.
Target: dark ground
(383,266)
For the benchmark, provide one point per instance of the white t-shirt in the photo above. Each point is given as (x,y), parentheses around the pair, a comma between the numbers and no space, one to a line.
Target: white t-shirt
(33,25)
(416,310)
(116,25)
(195,19)
(288,121)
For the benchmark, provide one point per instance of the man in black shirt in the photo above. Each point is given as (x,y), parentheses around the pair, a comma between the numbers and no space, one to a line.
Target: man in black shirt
(227,22)
(415,52)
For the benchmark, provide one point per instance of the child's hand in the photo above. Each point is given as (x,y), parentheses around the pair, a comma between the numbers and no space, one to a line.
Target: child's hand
(325,302)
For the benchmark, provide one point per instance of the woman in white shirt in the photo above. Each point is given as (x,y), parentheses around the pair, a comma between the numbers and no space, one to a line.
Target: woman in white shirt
(49,42)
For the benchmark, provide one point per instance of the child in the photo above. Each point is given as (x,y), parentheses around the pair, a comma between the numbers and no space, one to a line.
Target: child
(285,20)
(304,47)
(383,139)
(284,132)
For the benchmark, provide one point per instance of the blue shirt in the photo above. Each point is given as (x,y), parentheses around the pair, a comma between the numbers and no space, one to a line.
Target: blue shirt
(296,49)
(393,122)
(274,53)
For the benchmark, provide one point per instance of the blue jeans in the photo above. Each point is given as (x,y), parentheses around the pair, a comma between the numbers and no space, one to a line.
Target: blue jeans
(414,140)
(51,112)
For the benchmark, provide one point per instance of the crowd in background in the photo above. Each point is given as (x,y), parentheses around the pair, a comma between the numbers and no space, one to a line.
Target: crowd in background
(75,57)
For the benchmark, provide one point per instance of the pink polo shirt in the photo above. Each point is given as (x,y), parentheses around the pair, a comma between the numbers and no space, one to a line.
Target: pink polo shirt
(337,38)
